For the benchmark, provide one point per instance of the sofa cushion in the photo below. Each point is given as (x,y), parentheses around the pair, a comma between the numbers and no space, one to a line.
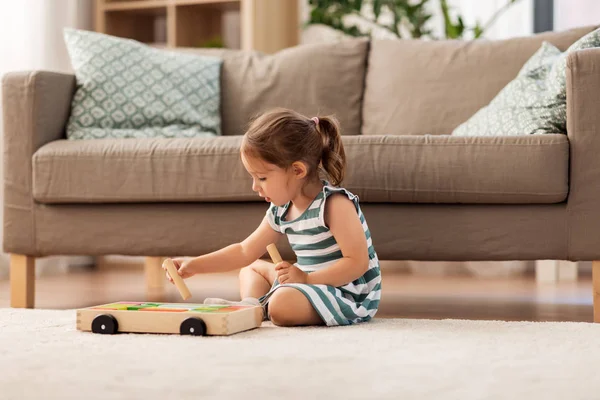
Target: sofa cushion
(557,77)
(535,102)
(520,107)
(126,89)
(395,169)
(453,169)
(416,87)
(110,170)
(313,79)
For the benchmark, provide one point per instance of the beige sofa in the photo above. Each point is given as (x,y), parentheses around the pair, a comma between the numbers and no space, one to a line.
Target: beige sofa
(426,195)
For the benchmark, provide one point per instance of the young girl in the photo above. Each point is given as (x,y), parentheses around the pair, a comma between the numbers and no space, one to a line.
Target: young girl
(336,279)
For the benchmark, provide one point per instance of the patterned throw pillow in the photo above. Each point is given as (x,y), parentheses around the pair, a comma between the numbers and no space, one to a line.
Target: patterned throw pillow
(126,89)
(557,78)
(535,101)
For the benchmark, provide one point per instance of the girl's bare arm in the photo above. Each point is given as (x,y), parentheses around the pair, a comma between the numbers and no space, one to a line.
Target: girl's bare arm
(234,256)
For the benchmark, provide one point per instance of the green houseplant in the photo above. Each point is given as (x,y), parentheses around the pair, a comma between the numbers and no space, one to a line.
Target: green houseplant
(403,18)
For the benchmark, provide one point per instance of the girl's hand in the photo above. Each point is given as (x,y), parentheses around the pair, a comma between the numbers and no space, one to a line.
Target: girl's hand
(184,267)
(287,273)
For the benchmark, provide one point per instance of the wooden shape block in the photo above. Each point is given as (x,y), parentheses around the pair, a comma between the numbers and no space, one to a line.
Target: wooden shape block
(132,317)
(274,253)
(178,280)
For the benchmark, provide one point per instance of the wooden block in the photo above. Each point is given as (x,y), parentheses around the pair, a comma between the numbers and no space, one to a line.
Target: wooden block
(178,280)
(143,317)
(274,253)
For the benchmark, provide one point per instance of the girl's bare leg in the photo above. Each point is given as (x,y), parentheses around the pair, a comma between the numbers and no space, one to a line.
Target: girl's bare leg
(289,307)
(255,281)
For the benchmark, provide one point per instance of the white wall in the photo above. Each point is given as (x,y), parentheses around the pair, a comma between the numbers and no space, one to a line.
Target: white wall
(516,21)
(31,38)
(571,14)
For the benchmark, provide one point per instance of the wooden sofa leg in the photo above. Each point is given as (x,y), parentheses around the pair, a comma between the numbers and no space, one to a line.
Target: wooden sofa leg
(155,279)
(22,281)
(596,289)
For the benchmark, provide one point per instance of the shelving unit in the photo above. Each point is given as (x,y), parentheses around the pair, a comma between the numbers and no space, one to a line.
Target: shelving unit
(262,25)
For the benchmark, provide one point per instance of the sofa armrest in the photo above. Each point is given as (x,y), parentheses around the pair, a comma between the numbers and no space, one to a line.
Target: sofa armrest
(583,127)
(35,107)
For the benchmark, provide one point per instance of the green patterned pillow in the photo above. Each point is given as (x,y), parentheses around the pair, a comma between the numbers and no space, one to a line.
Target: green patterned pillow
(535,101)
(557,86)
(518,108)
(126,89)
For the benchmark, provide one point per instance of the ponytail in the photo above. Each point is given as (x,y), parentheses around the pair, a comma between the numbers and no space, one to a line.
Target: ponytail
(333,158)
(281,137)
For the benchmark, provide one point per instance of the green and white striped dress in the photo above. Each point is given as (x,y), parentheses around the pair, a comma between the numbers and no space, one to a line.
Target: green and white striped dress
(316,248)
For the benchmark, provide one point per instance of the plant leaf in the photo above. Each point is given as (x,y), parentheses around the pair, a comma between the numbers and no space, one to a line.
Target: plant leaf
(377,8)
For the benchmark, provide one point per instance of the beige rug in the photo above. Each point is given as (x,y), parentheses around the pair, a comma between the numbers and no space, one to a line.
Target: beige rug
(42,356)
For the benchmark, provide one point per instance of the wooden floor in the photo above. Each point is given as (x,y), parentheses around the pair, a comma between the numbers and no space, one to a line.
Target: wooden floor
(403,295)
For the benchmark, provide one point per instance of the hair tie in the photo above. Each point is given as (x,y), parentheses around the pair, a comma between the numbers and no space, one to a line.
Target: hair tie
(315,120)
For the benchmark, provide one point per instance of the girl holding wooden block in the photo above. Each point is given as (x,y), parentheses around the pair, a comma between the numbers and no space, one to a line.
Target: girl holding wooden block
(336,279)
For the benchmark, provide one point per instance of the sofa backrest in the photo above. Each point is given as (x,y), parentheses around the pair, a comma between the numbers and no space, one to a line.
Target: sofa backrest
(416,87)
(316,79)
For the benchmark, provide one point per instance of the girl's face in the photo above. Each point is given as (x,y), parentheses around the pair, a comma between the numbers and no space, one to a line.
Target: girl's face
(276,185)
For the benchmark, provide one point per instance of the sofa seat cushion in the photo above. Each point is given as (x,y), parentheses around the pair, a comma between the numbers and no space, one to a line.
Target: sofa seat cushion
(141,170)
(529,169)
(396,169)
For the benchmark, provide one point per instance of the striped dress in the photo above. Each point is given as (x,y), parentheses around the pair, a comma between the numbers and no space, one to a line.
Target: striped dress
(316,248)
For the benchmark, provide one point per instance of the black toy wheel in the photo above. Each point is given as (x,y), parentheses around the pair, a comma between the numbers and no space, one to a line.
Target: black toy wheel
(193,326)
(105,324)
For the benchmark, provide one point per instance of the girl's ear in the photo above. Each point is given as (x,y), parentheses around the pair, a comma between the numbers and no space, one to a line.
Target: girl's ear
(299,169)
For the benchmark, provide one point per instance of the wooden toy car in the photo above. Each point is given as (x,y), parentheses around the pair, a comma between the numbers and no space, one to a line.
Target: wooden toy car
(182,318)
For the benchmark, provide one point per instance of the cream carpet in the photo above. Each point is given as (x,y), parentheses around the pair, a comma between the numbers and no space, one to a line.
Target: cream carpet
(42,356)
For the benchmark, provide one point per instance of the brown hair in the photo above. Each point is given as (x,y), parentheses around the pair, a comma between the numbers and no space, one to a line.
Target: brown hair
(283,136)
